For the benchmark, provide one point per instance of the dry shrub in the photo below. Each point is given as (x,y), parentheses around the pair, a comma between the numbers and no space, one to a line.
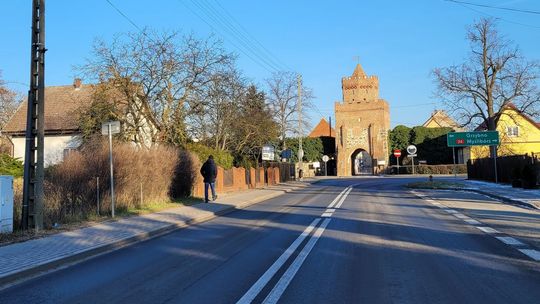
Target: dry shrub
(71,186)
(17,201)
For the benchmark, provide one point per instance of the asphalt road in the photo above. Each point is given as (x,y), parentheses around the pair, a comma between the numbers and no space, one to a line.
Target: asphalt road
(378,244)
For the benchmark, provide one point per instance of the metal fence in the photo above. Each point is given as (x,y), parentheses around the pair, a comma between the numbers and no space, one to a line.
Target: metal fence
(509,168)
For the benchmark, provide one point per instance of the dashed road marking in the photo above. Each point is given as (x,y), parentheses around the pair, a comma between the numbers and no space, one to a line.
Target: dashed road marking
(472,221)
(461,216)
(509,240)
(533,254)
(487,229)
(516,244)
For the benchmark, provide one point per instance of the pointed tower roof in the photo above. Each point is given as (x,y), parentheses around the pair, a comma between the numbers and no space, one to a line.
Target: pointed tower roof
(358,71)
(322,129)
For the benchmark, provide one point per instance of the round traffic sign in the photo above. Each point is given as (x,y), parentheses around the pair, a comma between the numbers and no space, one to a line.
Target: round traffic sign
(397,153)
(411,149)
(325,158)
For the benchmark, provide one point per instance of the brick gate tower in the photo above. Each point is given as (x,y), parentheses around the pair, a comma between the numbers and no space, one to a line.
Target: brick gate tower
(362,126)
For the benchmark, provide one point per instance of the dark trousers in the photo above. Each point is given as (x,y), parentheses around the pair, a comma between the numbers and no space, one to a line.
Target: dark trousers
(213,187)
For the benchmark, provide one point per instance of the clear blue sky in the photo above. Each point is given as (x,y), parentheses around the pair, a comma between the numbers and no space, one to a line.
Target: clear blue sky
(400,41)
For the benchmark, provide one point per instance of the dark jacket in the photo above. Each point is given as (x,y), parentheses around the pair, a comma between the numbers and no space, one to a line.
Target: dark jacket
(209,171)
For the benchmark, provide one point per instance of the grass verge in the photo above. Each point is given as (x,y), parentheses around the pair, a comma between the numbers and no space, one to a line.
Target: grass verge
(435,185)
(91,220)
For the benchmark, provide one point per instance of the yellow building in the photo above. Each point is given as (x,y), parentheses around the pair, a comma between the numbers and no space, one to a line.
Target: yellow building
(519,134)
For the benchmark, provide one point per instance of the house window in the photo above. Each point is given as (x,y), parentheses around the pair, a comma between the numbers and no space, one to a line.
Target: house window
(512,131)
(68,151)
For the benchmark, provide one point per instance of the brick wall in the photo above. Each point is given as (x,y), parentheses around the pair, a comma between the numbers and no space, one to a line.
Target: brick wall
(236,180)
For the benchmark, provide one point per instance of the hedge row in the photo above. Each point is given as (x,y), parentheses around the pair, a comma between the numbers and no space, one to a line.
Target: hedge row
(431,169)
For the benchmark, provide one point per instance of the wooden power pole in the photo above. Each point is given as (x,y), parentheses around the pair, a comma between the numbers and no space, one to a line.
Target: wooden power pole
(32,207)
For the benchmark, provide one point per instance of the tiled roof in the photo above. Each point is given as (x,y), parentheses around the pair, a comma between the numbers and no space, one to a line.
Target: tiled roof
(322,129)
(483,125)
(61,110)
(442,119)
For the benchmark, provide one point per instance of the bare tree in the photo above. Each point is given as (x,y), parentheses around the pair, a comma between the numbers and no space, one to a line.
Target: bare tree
(154,78)
(283,101)
(9,101)
(216,117)
(494,75)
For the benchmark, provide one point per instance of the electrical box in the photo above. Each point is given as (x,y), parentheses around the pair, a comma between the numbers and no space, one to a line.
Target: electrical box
(6,204)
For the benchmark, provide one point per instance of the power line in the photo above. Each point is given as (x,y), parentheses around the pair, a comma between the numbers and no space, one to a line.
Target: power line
(124,15)
(489,15)
(253,37)
(224,37)
(225,25)
(497,7)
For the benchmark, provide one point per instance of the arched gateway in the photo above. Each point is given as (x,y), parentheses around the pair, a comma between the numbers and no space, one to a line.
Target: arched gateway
(362,126)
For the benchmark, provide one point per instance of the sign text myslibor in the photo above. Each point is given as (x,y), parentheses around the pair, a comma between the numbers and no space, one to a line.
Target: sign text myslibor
(465,139)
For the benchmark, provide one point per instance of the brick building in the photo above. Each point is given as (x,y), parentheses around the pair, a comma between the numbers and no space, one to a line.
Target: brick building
(362,126)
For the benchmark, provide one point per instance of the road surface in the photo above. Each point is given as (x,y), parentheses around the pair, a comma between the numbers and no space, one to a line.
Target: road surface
(358,240)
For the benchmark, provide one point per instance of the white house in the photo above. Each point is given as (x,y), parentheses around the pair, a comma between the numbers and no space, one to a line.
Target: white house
(62,106)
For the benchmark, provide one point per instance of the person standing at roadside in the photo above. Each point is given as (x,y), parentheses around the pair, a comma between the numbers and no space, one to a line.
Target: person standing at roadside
(209,173)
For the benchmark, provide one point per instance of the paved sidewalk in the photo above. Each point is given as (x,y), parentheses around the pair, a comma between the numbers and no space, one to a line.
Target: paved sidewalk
(504,192)
(29,258)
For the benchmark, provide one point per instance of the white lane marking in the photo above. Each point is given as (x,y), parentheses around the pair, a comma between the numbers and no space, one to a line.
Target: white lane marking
(327,214)
(337,198)
(461,216)
(473,222)
(533,254)
(265,278)
(509,240)
(338,205)
(277,291)
(451,211)
(487,229)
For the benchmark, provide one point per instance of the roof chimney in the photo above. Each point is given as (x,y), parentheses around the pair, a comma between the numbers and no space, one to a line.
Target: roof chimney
(77,83)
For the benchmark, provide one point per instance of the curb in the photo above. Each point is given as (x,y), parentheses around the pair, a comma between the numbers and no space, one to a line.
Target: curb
(488,194)
(36,271)
(504,198)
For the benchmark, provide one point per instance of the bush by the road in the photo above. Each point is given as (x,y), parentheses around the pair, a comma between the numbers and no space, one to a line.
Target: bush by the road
(71,186)
(432,169)
(10,166)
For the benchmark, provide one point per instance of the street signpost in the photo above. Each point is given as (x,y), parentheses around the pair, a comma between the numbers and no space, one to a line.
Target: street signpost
(397,154)
(467,139)
(325,159)
(411,150)
(267,152)
(110,128)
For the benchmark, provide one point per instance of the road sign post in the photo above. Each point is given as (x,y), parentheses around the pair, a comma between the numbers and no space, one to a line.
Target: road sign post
(325,159)
(109,128)
(481,138)
(411,150)
(397,154)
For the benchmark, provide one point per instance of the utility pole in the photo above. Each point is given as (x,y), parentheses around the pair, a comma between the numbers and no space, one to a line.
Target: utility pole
(300,149)
(32,207)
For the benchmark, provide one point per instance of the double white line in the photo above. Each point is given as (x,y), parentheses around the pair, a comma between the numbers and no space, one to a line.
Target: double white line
(289,274)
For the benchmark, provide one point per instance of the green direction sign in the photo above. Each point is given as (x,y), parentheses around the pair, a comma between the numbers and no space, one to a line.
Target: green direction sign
(465,139)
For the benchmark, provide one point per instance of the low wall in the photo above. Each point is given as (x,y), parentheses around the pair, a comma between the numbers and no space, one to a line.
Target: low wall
(237,179)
